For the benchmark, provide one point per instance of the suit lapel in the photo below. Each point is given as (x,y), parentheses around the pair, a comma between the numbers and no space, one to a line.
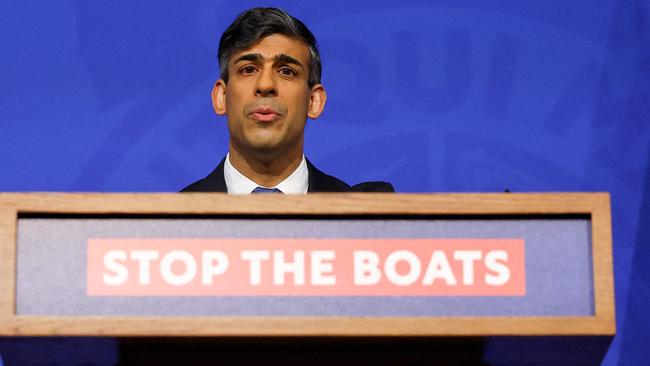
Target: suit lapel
(321,182)
(215,181)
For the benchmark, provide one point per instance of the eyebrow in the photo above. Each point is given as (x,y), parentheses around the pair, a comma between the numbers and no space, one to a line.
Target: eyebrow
(286,59)
(279,59)
(249,57)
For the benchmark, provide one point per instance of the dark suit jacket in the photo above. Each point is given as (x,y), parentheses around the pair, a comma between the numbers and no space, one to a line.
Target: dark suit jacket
(318,182)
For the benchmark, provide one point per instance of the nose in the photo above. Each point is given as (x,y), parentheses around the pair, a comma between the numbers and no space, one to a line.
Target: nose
(265,86)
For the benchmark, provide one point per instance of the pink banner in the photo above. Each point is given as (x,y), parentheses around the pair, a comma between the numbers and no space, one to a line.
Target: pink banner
(306,267)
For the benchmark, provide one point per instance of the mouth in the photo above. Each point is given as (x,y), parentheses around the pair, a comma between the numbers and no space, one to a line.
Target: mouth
(265,114)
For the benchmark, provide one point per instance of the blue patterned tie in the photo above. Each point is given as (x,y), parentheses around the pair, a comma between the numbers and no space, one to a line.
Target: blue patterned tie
(266,190)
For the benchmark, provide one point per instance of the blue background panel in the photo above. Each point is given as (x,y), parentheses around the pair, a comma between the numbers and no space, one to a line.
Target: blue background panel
(444,96)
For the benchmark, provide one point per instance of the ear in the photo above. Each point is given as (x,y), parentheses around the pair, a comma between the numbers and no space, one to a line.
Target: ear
(219,97)
(316,101)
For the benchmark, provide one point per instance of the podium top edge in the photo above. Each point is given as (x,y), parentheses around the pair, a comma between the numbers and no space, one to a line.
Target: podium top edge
(317,203)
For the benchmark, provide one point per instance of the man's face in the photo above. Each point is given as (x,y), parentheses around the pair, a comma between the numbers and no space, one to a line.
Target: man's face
(267,99)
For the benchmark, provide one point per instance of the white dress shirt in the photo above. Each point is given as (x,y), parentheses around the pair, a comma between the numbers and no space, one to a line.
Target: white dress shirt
(237,183)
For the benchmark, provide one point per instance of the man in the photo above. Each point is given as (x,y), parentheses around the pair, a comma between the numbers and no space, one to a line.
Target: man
(269,84)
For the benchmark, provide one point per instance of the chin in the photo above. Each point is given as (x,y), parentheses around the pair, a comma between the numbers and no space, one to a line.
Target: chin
(263,147)
(264,141)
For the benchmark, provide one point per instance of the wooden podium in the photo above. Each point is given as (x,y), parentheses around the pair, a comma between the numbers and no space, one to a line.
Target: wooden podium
(178,276)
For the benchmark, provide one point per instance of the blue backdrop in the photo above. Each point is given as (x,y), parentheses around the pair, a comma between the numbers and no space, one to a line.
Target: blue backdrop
(444,96)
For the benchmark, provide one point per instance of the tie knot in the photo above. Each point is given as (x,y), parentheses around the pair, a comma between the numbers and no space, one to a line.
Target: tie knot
(266,190)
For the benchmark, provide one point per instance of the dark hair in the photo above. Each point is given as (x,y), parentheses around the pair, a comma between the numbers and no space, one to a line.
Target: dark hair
(257,23)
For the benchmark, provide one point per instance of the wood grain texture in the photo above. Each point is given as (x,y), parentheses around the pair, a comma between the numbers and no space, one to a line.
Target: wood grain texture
(318,203)
(601,228)
(7,259)
(300,326)
(594,204)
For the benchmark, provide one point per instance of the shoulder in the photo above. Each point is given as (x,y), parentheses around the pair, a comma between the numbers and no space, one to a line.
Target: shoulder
(213,182)
(373,187)
(321,182)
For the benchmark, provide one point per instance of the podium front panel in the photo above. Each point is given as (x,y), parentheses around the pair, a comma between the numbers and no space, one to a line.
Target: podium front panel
(313,265)
(52,267)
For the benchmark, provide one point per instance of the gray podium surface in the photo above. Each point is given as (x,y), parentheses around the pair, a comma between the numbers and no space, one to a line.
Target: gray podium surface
(51,267)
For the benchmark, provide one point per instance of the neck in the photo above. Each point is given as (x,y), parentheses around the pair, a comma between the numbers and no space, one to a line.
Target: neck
(265,172)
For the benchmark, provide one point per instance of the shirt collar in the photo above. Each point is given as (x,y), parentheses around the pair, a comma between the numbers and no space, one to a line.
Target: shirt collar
(237,183)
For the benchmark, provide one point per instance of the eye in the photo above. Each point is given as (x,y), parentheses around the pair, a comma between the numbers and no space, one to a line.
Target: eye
(247,70)
(287,71)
